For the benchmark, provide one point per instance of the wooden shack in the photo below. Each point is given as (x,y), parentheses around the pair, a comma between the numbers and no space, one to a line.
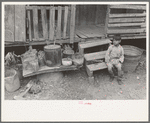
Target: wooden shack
(34,24)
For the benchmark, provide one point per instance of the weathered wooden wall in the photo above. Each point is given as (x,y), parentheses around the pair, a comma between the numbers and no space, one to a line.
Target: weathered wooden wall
(15,26)
(127,20)
(90,14)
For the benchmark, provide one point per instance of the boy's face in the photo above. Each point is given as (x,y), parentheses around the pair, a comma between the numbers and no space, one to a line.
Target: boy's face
(116,42)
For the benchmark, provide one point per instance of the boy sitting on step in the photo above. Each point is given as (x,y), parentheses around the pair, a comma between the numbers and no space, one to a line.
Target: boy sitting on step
(114,58)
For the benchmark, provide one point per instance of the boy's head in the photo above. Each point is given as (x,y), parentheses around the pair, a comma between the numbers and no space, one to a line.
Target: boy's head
(116,39)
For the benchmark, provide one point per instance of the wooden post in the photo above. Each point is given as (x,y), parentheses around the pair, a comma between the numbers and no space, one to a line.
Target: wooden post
(72,23)
(9,22)
(107,19)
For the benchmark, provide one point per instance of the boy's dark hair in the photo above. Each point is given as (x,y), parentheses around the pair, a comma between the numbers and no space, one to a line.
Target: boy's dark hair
(117,37)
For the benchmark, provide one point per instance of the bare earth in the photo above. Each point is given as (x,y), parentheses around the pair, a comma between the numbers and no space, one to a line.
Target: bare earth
(75,86)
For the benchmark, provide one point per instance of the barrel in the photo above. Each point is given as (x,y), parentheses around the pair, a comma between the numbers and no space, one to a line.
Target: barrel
(132,55)
(53,55)
(12,82)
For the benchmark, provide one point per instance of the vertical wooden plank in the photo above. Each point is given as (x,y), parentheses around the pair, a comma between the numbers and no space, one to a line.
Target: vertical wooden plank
(29,20)
(20,24)
(68,22)
(107,19)
(65,21)
(72,23)
(58,34)
(52,23)
(35,22)
(9,22)
(44,23)
(77,15)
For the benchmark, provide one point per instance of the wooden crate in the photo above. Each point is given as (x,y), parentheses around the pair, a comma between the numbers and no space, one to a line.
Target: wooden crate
(51,22)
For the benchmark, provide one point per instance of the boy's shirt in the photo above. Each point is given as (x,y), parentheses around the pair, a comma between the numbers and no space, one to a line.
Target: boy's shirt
(114,52)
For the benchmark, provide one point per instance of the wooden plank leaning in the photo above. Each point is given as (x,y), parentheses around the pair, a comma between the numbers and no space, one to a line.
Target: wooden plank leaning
(35,22)
(58,34)
(52,23)
(72,23)
(29,22)
(65,21)
(44,23)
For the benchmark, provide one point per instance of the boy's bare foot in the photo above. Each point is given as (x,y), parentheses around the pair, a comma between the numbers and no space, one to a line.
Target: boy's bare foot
(111,79)
(120,82)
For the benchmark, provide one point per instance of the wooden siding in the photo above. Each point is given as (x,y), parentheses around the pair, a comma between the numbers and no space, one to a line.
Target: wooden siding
(130,22)
(15,23)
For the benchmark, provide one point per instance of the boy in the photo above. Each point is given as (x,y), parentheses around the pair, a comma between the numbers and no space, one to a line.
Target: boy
(114,58)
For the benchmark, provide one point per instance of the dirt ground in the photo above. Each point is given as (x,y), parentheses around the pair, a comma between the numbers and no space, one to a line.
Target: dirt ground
(75,86)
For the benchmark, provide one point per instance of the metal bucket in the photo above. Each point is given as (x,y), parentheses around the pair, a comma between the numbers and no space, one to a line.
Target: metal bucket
(12,82)
(132,55)
(53,55)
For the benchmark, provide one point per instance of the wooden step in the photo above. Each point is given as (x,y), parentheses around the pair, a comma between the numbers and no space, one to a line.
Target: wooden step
(98,66)
(93,43)
(96,55)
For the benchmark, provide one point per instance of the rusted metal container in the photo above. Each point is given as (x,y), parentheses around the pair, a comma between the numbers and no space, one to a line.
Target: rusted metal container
(53,55)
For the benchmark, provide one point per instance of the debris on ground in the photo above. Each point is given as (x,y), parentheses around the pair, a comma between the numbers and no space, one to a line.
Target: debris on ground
(21,95)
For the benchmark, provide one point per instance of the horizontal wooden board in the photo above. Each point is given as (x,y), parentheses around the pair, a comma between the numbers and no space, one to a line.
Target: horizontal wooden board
(80,34)
(98,66)
(132,37)
(46,69)
(93,56)
(119,31)
(127,15)
(40,41)
(129,35)
(94,43)
(121,6)
(126,20)
(127,24)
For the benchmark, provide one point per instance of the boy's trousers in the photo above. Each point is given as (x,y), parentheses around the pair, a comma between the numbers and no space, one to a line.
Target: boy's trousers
(111,66)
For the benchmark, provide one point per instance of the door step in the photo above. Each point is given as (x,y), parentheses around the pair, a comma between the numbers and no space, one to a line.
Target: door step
(92,43)
(95,56)
(97,66)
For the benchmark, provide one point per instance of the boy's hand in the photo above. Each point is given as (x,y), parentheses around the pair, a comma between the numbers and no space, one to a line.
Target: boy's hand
(118,61)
